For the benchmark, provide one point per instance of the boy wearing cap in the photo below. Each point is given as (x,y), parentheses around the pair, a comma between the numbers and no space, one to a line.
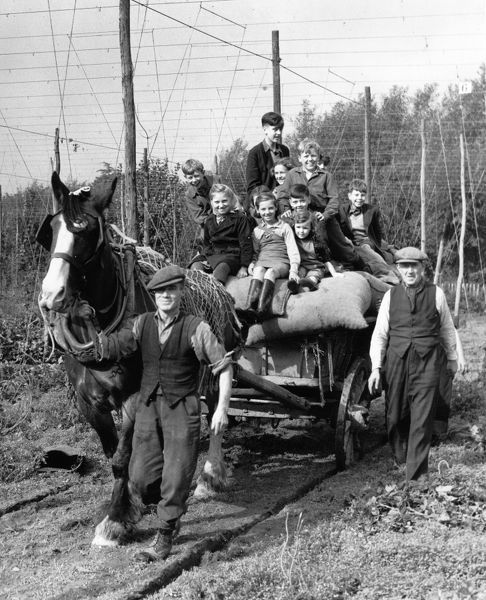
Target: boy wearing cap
(167,422)
(263,156)
(412,321)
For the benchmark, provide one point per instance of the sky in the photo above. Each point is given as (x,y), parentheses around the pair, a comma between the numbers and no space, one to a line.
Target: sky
(203,71)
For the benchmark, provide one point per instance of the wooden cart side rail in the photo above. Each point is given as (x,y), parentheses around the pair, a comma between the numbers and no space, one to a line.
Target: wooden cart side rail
(276,391)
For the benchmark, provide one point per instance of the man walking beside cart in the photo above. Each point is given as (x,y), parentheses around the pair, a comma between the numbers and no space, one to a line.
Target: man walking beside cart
(412,321)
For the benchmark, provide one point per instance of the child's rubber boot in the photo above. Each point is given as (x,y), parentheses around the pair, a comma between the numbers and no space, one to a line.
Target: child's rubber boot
(265,298)
(309,283)
(248,311)
(293,286)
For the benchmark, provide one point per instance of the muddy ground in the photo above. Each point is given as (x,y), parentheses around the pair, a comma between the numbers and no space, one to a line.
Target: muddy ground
(46,551)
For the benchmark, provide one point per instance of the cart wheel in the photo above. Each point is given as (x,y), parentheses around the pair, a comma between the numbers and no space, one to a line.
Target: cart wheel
(346,436)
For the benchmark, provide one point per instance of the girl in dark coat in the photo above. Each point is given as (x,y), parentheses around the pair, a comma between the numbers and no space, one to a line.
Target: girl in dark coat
(227,235)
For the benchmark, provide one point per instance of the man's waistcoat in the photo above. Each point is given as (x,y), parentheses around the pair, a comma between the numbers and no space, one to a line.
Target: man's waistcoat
(417,327)
(174,365)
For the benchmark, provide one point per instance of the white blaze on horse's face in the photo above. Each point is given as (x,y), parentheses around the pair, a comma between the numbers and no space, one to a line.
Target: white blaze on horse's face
(54,284)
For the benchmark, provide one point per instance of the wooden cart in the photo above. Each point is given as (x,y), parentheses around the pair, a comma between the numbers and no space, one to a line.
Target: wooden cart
(323,376)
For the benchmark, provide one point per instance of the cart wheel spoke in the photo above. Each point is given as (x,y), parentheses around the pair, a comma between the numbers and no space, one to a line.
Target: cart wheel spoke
(346,437)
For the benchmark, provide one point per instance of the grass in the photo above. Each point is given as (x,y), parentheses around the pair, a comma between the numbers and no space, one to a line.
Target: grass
(36,411)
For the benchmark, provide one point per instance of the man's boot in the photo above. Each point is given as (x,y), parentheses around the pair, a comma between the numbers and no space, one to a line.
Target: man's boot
(265,297)
(159,549)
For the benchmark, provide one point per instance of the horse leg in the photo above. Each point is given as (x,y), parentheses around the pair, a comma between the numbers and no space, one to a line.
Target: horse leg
(126,506)
(93,404)
(214,477)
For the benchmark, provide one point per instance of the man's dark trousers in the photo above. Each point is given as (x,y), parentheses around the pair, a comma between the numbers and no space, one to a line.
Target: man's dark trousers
(164,456)
(410,386)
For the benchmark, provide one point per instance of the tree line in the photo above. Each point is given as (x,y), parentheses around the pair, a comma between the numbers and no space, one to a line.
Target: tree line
(395,155)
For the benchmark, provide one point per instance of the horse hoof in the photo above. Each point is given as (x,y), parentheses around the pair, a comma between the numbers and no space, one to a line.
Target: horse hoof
(212,480)
(203,491)
(109,533)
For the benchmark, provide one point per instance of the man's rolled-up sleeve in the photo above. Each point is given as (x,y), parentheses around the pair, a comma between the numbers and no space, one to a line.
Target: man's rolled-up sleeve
(209,350)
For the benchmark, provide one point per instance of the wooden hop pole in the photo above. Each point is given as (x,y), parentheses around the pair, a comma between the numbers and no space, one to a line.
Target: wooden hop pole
(277,100)
(130,131)
(367,142)
(460,274)
(423,233)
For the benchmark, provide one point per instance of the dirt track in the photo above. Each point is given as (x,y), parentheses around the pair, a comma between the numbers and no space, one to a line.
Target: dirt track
(47,551)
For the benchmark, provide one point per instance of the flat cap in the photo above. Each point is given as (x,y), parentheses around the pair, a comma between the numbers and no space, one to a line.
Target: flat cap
(410,254)
(166,276)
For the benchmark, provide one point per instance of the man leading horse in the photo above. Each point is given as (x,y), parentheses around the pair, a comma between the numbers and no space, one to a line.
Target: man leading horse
(167,419)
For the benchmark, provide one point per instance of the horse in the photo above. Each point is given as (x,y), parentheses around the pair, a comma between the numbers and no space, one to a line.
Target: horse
(89,288)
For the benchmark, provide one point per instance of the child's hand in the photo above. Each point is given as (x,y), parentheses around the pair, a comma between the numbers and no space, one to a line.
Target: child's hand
(243,272)
(287,214)
(251,266)
(319,216)
(294,276)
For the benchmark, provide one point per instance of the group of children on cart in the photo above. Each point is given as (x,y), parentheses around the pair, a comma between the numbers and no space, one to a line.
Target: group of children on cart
(291,225)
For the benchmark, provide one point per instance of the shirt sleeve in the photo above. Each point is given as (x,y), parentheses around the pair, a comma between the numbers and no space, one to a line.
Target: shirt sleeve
(292,248)
(209,350)
(124,342)
(447,332)
(379,339)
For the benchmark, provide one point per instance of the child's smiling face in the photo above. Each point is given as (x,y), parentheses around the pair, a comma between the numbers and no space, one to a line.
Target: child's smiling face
(299,203)
(280,173)
(195,178)
(268,211)
(309,160)
(220,203)
(357,198)
(302,230)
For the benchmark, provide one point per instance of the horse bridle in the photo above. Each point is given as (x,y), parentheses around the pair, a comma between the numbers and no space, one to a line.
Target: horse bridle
(44,238)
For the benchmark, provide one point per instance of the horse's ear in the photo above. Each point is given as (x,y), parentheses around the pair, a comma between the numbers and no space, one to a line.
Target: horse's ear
(60,191)
(111,192)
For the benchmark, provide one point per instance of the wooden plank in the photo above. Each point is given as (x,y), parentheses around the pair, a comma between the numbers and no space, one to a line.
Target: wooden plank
(291,381)
(276,391)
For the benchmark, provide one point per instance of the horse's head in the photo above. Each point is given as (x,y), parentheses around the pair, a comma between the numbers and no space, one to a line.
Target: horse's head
(75,237)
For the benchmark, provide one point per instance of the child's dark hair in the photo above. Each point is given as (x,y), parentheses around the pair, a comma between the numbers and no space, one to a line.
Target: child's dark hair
(357,184)
(191,165)
(273,119)
(264,197)
(285,162)
(259,189)
(299,190)
(302,216)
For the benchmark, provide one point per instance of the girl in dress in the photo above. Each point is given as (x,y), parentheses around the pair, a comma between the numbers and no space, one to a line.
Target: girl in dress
(275,254)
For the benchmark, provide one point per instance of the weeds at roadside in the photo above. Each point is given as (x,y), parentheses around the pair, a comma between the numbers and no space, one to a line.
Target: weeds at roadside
(34,407)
